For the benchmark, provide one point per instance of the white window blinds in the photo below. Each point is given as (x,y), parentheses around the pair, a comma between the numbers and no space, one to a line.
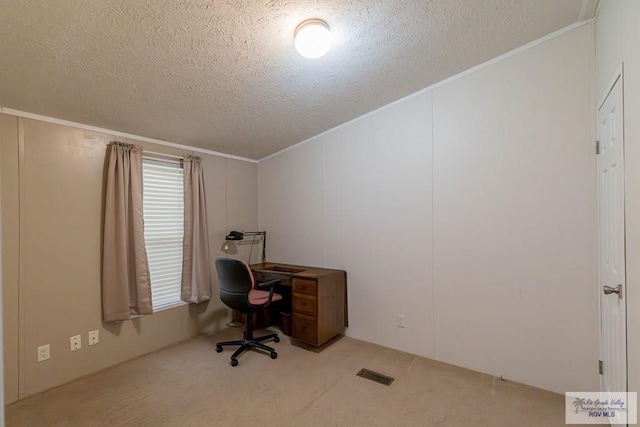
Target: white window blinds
(163,204)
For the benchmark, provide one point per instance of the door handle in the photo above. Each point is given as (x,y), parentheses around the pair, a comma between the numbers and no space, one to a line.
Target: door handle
(608,290)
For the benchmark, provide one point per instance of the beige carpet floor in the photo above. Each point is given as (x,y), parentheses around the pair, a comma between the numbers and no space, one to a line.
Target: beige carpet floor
(189,384)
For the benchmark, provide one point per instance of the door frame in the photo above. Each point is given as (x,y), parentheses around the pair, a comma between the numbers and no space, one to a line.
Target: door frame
(618,75)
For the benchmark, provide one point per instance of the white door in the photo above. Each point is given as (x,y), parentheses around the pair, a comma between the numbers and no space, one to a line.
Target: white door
(611,247)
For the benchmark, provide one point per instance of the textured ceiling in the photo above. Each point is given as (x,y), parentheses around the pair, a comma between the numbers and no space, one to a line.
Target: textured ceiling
(224,75)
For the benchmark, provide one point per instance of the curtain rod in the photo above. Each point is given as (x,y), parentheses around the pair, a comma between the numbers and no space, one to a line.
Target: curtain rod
(155,153)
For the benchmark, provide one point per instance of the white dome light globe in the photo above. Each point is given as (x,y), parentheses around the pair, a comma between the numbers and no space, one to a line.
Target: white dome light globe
(312,38)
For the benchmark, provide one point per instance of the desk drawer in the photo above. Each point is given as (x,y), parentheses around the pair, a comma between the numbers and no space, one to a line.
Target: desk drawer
(305,328)
(305,304)
(305,286)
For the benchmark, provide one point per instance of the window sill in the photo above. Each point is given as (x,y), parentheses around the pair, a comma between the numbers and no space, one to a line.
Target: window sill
(169,306)
(161,308)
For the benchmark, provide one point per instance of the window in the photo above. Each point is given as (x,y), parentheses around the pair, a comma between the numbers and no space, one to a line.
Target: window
(163,204)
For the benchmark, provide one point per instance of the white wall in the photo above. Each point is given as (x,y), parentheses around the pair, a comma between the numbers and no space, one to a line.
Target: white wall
(469,208)
(377,223)
(354,201)
(291,205)
(617,35)
(514,217)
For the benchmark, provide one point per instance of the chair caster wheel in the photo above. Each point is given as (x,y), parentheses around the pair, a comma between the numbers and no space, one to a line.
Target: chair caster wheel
(234,362)
(274,354)
(218,348)
(276,339)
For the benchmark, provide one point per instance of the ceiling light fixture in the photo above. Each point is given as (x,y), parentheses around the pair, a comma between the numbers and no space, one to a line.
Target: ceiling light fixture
(312,38)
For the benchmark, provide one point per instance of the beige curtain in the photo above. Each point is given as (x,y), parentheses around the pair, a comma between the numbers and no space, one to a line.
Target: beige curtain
(126,284)
(196,276)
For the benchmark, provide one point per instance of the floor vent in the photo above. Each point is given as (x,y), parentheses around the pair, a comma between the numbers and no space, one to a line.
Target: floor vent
(374,376)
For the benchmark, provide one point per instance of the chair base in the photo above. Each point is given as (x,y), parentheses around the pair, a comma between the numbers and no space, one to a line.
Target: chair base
(246,344)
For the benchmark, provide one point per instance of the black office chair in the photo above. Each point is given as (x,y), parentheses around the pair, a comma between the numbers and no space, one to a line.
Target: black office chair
(239,291)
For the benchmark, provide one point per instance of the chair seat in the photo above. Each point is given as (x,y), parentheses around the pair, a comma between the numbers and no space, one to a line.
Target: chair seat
(257,297)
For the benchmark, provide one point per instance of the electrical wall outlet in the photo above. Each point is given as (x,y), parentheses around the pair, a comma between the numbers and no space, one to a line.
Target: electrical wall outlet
(75,342)
(94,337)
(43,353)
(400,321)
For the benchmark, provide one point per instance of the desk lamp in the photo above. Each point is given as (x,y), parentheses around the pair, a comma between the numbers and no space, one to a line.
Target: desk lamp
(239,235)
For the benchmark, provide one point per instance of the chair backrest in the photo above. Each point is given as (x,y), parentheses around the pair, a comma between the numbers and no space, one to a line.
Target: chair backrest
(236,281)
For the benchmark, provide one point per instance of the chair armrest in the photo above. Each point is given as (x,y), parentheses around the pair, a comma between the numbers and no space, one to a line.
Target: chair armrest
(271,284)
(268,283)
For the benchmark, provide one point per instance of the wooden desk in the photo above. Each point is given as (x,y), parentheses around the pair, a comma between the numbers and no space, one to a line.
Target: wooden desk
(318,299)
